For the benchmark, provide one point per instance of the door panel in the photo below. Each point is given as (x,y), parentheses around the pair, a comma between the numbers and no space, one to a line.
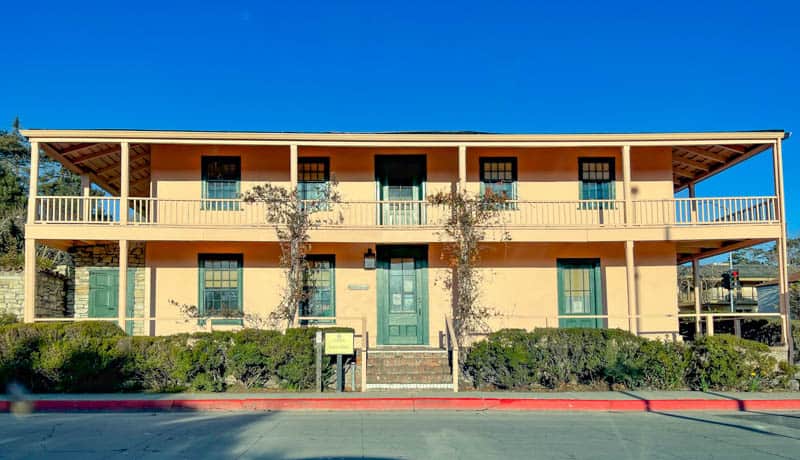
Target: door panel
(579,293)
(402,295)
(401,181)
(103,293)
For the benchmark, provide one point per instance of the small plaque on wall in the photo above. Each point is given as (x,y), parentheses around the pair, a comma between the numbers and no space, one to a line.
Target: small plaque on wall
(358,287)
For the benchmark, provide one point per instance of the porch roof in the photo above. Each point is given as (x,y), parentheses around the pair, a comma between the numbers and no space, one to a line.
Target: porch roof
(695,155)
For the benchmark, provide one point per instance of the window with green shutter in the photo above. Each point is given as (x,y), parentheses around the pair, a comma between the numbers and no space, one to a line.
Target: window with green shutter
(596,176)
(221,286)
(500,176)
(313,175)
(221,178)
(580,293)
(320,288)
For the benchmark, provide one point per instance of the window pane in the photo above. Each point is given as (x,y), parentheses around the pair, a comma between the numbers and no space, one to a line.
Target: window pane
(220,284)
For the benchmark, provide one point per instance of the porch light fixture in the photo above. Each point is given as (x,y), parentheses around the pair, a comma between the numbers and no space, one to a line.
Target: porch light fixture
(369,260)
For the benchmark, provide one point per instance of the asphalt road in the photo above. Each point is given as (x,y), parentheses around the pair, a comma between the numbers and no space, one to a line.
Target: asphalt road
(396,435)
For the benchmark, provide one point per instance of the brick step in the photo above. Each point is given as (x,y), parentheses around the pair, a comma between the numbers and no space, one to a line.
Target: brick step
(410,379)
(409,369)
(408,372)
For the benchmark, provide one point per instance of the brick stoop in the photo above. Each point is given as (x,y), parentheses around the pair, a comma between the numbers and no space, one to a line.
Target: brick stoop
(409,368)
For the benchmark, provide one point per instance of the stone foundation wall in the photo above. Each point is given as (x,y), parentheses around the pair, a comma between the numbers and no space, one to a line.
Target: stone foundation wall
(97,256)
(51,294)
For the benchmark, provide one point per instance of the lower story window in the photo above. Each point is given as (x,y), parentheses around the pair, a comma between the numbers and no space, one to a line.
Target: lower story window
(580,293)
(320,288)
(220,285)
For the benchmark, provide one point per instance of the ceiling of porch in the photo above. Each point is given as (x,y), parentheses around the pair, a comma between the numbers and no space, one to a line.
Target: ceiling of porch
(693,163)
(102,163)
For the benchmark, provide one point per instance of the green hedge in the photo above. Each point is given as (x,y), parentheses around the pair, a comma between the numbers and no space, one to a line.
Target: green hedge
(99,357)
(611,358)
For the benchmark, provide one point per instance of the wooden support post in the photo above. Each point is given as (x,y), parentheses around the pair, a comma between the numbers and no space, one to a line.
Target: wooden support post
(782,249)
(626,183)
(631,285)
(293,165)
(462,168)
(29,305)
(698,292)
(33,184)
(709,325)
(123,284)
(124,184)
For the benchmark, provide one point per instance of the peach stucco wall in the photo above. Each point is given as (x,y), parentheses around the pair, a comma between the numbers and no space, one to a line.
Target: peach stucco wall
(544,173)
(519,283)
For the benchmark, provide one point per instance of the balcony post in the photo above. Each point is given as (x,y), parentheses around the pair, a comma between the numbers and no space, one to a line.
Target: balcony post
(631,285)
(698,292)
(124,184)
(781,247)
(33,187)
(123,284)
(293,165)
(462,168)
(692,195)
(29,305)
(86,189)
(626,183)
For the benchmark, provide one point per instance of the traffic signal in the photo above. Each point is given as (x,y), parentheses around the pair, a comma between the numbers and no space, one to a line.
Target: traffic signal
(735,278)
(726,280)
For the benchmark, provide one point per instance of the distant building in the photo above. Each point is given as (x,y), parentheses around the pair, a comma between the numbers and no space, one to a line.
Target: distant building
(768,294)
(714,297)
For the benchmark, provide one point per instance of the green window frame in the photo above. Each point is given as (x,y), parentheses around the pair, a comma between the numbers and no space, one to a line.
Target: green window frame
(221,177)
(580,292)
(499,174)
(313,176)
(220,281)
(319,285)
(597,181)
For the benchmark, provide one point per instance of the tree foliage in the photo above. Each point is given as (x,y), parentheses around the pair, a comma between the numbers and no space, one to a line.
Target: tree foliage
(14,173)
(292,219)
(465,228)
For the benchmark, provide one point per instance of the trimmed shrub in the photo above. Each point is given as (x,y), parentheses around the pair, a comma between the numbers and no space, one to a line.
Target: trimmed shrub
(725,362)
(255,357)
(152,363)
(596,358)
(79,365)
(98,356)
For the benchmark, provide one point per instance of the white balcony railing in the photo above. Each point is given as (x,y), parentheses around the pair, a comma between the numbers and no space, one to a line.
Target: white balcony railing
(690,211)
(403,214)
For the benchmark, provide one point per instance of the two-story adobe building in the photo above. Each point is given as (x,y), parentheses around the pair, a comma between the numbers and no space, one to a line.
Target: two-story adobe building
(596,230)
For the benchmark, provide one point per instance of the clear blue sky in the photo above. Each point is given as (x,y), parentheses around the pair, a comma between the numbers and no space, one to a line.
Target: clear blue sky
(377,66)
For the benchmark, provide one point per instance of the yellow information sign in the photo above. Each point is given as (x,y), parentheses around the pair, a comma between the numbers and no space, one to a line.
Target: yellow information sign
(338,343)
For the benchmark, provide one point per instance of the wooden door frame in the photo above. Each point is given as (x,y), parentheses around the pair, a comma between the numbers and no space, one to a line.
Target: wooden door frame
(597,288)
(420,254)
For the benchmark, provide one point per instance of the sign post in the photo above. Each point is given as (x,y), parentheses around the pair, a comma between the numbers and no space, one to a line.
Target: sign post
(339,343)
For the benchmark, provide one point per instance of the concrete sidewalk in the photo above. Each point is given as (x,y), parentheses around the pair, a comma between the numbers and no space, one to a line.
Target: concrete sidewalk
(466,401)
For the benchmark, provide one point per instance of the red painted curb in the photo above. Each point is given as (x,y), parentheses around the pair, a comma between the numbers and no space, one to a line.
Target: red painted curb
(408,404)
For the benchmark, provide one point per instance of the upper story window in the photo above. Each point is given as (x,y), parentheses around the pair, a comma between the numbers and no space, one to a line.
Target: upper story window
(500,176)
(596,178)
(313,175)
(221,178)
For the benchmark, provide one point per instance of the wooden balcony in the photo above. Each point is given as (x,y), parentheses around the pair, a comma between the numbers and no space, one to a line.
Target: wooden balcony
(61,217)
(409,214)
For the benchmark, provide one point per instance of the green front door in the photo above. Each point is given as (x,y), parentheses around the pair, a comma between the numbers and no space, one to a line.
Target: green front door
(402,295)
(104,293)
(401,188)
(579,292)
